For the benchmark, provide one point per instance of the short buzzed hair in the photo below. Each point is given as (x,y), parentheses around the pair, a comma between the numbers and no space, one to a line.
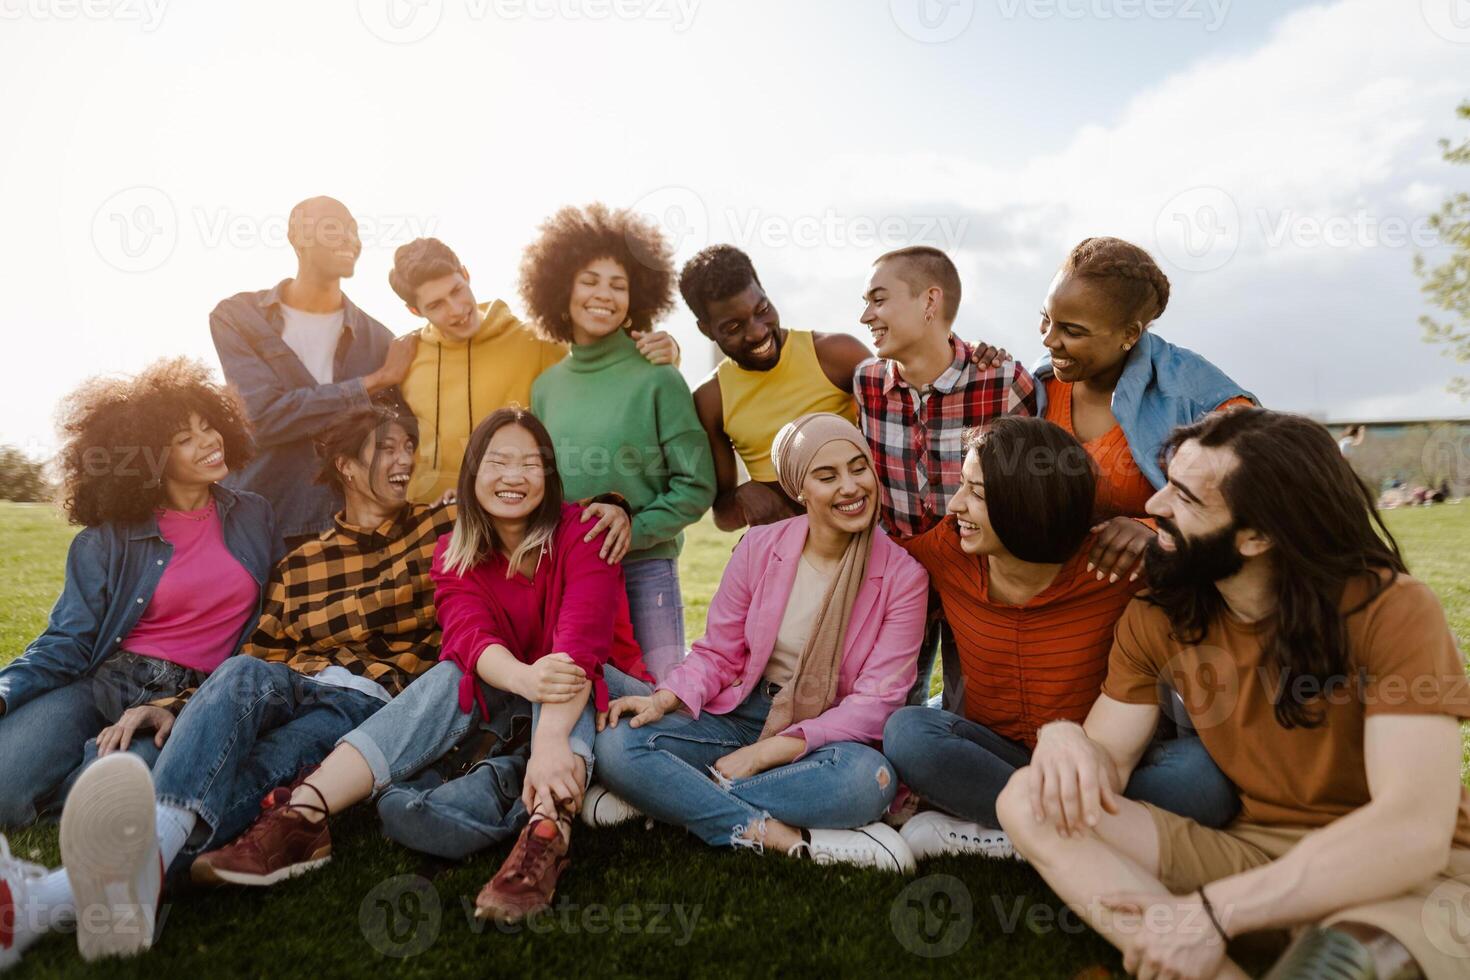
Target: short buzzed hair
(923,266)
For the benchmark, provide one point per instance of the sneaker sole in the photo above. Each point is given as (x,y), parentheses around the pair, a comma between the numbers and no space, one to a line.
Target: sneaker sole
(107,840)
(207,874)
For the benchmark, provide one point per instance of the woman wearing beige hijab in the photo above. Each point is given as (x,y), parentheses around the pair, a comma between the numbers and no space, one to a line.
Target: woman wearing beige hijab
(763,737)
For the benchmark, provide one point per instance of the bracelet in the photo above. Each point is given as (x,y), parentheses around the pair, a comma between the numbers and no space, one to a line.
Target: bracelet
(1210,911)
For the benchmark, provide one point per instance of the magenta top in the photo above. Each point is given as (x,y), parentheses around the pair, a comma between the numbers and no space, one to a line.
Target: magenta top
(203,599)
(574,604)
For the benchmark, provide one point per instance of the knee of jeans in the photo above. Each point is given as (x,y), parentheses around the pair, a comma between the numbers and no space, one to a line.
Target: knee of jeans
(408,819)
(613,749)
(906,731)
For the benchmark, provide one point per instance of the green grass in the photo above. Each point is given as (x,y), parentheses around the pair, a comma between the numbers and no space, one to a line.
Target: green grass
(647,903)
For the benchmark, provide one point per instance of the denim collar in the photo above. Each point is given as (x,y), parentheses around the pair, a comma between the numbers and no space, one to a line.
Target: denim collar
(352,317)
(224,499)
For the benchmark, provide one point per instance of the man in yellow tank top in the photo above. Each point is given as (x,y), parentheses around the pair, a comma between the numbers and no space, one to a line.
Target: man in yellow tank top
(770,375)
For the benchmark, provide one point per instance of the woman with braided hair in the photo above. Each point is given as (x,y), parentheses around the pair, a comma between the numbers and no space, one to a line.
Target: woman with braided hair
(1119,387)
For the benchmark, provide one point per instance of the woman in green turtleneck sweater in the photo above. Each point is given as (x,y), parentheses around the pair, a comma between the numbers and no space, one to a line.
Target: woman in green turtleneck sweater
(598,279)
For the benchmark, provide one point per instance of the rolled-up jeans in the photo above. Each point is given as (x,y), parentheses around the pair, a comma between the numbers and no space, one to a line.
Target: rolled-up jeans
(45,743)
(455,817)
(253,726)
(961,766)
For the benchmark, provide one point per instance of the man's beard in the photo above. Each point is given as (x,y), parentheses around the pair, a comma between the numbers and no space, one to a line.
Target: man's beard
(1195,562)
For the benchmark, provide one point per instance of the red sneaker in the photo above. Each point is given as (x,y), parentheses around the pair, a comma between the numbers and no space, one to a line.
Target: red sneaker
(527,880)
(282,843)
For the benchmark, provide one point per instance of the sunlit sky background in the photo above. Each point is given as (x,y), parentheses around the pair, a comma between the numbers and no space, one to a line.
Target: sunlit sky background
(1278,157)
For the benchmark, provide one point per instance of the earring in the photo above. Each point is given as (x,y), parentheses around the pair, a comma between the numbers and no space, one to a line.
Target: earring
(801,498)
(1127,346)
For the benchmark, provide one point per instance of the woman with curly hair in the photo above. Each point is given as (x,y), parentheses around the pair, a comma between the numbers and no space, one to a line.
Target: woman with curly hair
(162,584)
(619,423)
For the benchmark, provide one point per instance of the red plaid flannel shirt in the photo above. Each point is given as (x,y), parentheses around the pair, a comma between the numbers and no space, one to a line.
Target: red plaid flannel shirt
(916,435)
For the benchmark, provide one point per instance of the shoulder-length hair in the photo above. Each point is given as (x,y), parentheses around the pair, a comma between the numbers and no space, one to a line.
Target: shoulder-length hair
(473,538)
(1292,485)
(1040,486)
(118,433)
(350,434)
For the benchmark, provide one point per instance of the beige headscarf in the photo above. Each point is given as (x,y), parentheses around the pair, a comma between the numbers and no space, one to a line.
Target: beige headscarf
(813,685)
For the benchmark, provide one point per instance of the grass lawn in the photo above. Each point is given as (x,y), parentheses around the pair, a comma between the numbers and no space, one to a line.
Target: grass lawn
(635,901)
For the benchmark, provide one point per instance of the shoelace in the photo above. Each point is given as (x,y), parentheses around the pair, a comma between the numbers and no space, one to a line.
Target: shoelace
(23,869)
(535,853)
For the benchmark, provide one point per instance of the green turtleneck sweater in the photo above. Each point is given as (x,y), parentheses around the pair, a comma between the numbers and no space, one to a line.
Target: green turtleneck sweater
(621,424)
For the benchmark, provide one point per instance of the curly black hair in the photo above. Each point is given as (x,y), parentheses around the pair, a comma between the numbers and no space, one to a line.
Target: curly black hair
(713,274)
(117,432)
(572,239)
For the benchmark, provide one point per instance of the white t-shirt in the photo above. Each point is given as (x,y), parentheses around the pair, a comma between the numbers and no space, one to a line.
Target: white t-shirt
(313,337)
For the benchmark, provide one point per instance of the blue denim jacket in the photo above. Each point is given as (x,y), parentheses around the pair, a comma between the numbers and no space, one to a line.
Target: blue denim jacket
(111,574)
(286,404)
(1162,387)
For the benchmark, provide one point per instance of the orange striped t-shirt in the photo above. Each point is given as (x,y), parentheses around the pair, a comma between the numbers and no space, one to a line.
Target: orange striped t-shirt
(1025,665)
(1122,489)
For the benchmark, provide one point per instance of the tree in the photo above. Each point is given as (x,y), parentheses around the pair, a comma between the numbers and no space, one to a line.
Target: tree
(22,478)
(1447,285)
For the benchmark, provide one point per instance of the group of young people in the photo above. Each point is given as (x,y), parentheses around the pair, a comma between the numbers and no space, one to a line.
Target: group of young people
(1179,649)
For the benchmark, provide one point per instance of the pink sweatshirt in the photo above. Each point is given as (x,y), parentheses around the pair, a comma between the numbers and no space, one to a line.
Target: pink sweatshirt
(578,602)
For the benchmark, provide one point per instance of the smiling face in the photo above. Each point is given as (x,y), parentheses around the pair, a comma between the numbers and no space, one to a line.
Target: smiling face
(380,472)
(900,319)
(1081,329)
(977,536)
(449,305)
(196,456)
(746,328)
(599,303)
(1198,541)
(511,481)
(324,234)
(840,489)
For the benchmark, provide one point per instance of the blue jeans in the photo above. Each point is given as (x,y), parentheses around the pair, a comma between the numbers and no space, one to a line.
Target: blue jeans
(657,609)
(455,817)
(43,742)
(961,766)
(251,727)
(663,770)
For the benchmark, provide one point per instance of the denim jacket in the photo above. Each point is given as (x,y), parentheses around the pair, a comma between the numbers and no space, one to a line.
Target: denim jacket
(1162,387)
(287,406)
(111,573)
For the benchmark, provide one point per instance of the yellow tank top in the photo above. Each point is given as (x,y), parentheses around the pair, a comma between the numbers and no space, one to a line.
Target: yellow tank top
(757,403)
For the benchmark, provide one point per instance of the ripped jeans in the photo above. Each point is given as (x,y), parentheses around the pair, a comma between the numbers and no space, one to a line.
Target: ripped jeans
(657,609)
(663,769)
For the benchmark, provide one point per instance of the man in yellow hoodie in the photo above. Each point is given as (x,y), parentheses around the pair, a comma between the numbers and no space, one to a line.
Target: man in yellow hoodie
(472,359)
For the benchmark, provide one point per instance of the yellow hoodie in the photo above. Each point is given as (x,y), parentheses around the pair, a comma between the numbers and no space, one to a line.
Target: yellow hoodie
(452,385)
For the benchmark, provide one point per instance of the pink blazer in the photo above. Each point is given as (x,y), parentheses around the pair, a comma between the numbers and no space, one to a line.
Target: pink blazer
(879,654)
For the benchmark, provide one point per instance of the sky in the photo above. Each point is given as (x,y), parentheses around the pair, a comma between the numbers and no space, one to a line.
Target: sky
(1279,159)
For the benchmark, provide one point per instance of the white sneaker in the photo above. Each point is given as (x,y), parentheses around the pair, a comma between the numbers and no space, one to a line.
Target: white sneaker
(109,847)
(601,807)
(875,846)
(932,833)
(16,909)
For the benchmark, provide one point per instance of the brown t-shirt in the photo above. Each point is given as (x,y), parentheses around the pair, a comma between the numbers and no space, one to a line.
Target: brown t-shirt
(1403,661)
